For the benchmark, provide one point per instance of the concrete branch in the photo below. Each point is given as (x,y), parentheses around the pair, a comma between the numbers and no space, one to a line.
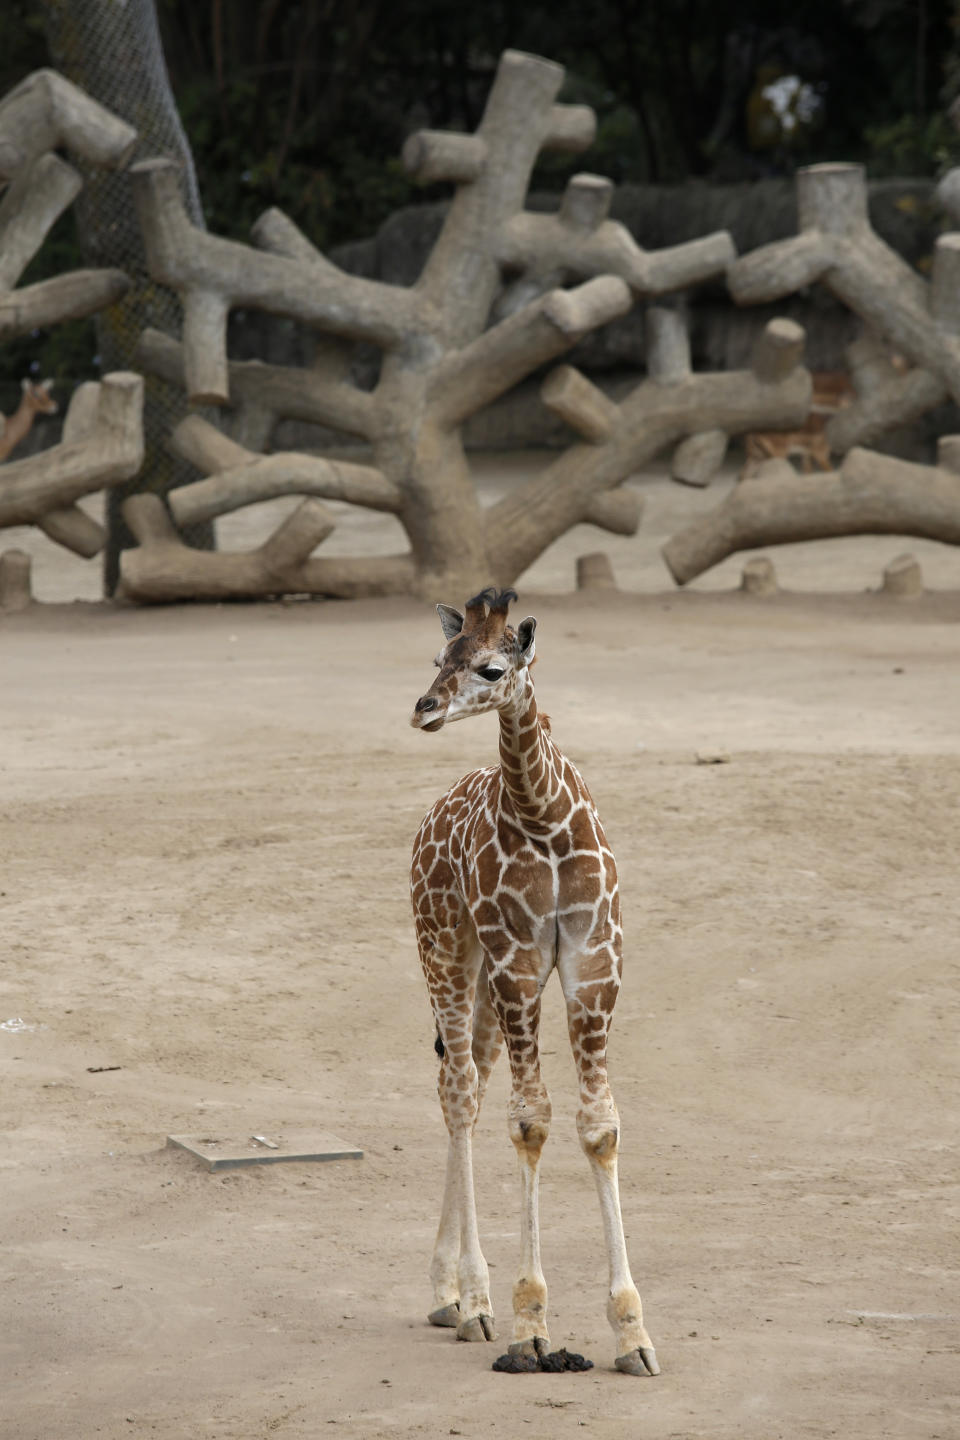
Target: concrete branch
(498,358)
(46,112)
(41,489)
(162,569)
(212,275)
(656,414)
(837,246)
(871,495)
(36,199)
(240,477)
(280,390)
(65,297)
(579,242)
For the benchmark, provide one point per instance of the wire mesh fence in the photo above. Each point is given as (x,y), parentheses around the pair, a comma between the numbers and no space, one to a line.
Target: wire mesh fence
(112,50)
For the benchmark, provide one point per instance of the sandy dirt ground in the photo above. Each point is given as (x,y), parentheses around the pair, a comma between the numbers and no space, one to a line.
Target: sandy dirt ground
(205,821)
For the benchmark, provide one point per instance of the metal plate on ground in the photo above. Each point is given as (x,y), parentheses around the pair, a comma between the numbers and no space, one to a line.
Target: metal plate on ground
(225,1152)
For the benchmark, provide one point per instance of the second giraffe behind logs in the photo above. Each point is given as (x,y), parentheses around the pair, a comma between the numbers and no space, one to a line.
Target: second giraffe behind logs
(512,878)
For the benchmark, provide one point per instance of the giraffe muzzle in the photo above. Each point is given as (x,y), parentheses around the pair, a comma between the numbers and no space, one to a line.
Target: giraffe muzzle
(423,717)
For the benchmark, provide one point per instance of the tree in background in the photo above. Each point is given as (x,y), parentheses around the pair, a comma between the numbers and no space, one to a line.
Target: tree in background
(299,103)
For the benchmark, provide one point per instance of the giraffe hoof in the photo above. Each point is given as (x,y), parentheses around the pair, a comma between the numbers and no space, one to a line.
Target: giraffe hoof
(639,1362)
(448,1315)
(536,1345)
(478,1327)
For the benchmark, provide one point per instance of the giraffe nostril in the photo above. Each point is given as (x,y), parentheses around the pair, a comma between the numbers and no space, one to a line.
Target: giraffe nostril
(426,702)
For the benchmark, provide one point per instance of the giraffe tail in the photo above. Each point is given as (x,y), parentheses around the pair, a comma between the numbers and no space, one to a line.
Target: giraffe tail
(438,1046)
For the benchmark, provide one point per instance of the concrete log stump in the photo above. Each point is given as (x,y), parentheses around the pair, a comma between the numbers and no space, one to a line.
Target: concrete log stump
(698,458)
(595,572)
(903,578)
(759,577)
(16,592)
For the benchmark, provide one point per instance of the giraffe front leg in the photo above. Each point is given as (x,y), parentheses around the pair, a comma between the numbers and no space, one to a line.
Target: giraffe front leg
(459,1085)
(446,1253)
(444,1266)
(530,1288)
(458,1271)
(473,1278)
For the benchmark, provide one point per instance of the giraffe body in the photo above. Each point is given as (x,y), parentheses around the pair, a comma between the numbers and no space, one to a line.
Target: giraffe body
(512,877)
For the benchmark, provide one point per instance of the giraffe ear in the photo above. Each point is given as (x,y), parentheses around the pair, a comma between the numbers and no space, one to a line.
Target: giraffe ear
(451,621)
(525,641)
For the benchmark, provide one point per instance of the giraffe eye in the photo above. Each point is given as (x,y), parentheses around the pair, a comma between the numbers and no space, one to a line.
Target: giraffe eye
(491,673)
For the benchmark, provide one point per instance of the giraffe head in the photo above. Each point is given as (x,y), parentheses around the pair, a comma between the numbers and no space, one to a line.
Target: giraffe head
(37,397)
(481,663)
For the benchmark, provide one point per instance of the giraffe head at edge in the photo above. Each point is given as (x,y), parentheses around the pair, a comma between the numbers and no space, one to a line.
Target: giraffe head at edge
(36,395)
(482,661)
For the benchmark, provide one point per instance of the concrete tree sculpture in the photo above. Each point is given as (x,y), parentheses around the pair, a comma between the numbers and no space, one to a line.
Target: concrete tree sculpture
(102,444)
(102,435)
(673,404)
(43,113)
(921,321)
(441,363)
(870,495)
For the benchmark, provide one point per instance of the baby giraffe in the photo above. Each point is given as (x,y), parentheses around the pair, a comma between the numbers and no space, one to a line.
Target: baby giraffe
(512,878)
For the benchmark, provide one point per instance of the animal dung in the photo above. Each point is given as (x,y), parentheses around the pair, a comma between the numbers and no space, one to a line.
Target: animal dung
(553,1363)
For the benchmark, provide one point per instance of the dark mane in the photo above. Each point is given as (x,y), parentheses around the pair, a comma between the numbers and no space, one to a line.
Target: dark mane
(496,599)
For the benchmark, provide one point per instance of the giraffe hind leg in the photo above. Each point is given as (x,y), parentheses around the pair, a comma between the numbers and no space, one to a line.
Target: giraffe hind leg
(590,984)
(517,989)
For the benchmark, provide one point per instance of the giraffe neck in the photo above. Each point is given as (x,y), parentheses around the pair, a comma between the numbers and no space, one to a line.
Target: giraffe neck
(17,426)
(529,760)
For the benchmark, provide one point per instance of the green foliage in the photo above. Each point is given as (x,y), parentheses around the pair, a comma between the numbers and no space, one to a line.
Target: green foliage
(23,46)
(618,149)
(911,146)
(337,190)
(68,353)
